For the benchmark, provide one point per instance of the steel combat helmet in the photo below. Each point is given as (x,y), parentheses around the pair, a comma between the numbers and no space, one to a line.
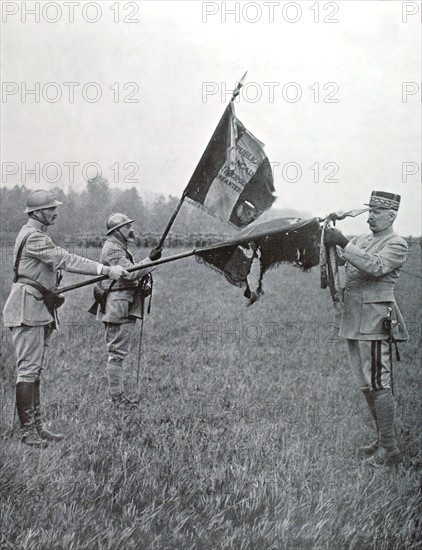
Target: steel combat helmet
(117,220)
(39,200)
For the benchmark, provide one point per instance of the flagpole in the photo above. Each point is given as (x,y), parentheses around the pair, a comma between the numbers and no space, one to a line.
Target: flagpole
(170,223)
(232,242)
(174,257)
(150,264)
(179,205)
(239,85)
(137,267)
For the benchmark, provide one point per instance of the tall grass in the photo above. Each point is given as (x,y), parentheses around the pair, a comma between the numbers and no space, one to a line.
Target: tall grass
(246,436)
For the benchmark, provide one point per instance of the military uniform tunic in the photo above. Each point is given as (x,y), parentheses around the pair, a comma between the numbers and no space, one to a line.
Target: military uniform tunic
(373,264)
(41,260)
(372,268)
(25,312)
(123,307)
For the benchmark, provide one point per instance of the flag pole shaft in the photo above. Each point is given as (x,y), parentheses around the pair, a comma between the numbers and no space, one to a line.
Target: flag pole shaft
(167,259)
(170,223)
(148,265)
(130,269)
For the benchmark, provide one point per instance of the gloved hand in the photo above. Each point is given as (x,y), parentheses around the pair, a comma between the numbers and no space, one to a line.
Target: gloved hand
(115,272)
(334,216)
(334,237)
(155,254)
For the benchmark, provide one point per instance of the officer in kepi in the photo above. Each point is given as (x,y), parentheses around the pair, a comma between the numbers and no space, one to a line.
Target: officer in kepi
(29,312)
(371,321)
(118,305)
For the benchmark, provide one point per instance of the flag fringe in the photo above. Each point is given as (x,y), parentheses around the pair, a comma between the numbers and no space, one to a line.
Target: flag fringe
(232,281)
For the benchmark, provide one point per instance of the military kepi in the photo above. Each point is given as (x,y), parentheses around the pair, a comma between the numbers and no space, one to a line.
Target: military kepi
(382,199)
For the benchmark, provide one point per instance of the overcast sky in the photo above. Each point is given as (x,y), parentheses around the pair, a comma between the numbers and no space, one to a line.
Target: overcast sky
(326,87)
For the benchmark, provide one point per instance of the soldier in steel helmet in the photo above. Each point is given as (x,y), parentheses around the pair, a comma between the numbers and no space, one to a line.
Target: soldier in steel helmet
(371,321)
(38,265)
(121,302)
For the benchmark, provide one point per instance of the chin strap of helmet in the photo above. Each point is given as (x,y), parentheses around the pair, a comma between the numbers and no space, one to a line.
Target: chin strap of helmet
(122,236)
(119,234)
(41,215)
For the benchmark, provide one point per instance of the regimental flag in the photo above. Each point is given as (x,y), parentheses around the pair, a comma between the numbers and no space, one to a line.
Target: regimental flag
(233,180)
(284,240)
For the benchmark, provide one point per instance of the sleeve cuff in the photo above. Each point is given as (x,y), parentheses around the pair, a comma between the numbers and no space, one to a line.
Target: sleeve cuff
(99,269)
(350,251)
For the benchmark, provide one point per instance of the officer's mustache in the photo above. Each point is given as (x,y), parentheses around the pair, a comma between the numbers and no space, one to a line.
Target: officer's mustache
(131,235)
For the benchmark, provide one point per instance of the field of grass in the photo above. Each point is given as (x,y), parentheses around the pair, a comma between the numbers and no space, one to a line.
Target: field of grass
(246,437)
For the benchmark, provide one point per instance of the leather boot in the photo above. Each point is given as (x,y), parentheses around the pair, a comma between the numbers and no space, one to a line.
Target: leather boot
(388,453)
(25,407)
(369,450)
(42,431)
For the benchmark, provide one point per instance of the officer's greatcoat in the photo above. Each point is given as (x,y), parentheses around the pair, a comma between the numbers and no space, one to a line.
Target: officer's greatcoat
(122,305)
(41,259)
(372,268)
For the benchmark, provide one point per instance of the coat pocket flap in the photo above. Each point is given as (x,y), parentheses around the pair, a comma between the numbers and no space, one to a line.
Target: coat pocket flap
(33,292)
(372,297)
(33,308)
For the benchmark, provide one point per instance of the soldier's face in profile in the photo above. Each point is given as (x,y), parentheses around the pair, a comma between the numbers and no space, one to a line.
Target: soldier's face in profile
(127,232)
(50,214)
(379,219)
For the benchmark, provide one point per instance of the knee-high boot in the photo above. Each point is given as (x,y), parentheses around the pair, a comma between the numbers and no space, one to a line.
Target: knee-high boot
(369,450)
(42,431)
(388,453)
(25,407)
(115,385)
(115,377)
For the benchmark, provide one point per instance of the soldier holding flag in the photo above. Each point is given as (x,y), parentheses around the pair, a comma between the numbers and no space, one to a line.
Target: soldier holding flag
(119,304)
(30,310)
(373,264)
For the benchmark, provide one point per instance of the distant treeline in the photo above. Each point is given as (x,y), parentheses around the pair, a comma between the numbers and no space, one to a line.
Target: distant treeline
(84,214)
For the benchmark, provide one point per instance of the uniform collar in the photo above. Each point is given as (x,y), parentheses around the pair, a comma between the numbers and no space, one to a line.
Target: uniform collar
(38,225)
(383,233)
(115,239)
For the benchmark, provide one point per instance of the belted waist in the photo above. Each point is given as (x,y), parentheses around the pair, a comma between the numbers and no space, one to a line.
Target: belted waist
(35,284)
(368,285)
(121,288)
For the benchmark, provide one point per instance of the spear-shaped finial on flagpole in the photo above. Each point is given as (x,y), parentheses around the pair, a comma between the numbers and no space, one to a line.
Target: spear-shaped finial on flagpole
(182,198)
(239,85)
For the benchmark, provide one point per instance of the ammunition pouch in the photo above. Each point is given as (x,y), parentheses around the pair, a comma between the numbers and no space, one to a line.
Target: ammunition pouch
(100,297)
(52,300)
